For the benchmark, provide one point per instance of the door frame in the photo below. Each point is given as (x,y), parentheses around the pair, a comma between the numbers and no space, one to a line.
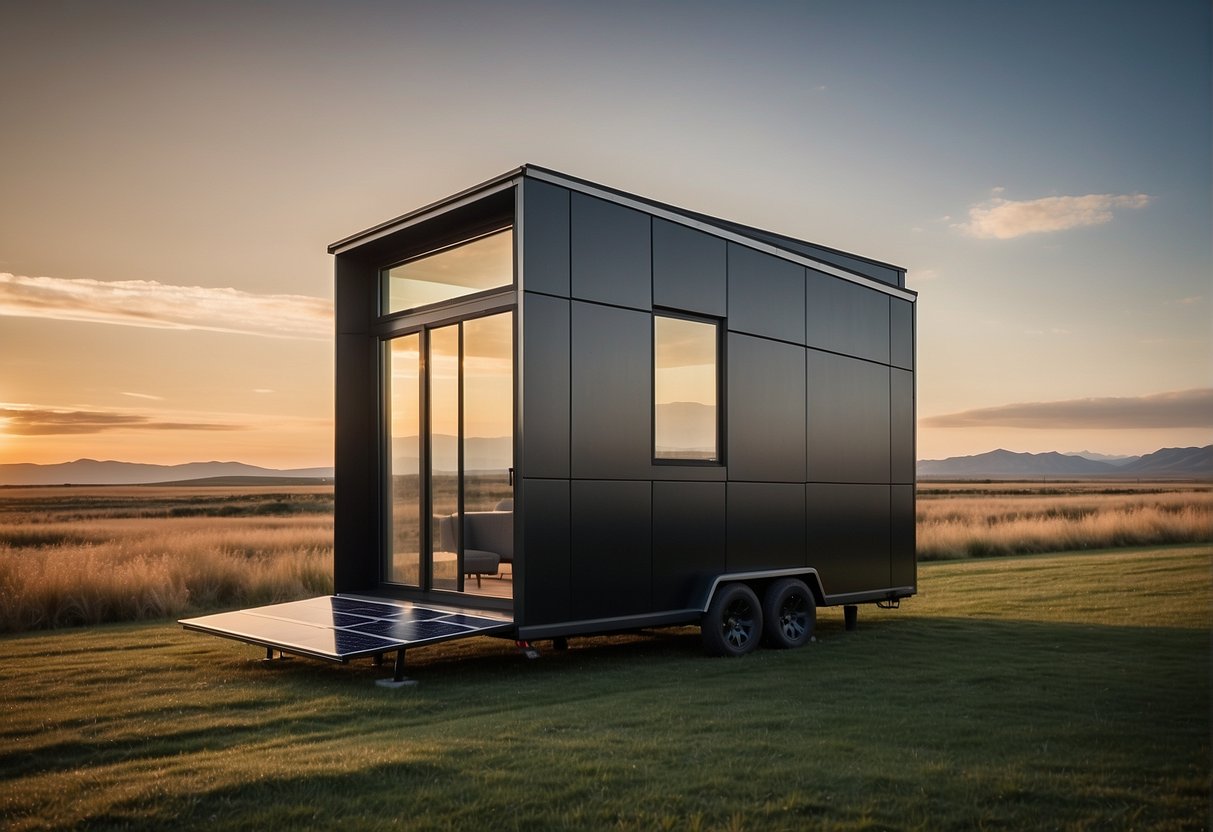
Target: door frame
(422,323)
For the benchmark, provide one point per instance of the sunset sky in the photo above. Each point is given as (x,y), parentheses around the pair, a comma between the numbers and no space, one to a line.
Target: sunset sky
(170,174)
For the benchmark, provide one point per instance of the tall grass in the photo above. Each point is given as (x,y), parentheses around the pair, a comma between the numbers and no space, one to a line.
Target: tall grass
(59,574)
(967,523)
(73,556)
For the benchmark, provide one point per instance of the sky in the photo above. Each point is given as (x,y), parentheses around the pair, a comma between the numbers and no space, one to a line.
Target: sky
(171,173)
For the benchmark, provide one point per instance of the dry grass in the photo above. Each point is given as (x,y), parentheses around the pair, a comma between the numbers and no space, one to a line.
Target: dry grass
(969,521)
(72,556)
(96,556)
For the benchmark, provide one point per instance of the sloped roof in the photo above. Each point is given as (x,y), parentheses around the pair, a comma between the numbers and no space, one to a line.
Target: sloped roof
(847,265)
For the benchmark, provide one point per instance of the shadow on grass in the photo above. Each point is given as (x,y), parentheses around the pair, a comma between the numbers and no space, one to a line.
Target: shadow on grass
(939,722)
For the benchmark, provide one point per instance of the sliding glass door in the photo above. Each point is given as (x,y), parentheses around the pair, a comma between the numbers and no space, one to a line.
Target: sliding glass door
(451,416)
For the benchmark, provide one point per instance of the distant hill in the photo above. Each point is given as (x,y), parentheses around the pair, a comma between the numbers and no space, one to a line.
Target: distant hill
(1112,458)
(1003,464)
(109,472)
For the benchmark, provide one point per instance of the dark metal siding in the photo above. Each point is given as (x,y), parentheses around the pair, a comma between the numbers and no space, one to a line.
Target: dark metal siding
(901,399)
(544,583)
(766,525)
(766,295)
(545,372)
(611,558)
(847,318)
(904,558)
(688,539)
(545,213)
(612,391)
(849,536)
(901,333)
(611,253)
(356,518)
(689,270)
(848,419)
(766,410)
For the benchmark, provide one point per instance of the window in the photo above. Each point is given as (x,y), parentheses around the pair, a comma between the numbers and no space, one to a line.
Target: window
(685,383)
(484,263)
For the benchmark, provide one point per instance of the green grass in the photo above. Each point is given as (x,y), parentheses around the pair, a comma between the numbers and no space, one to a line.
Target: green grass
(1050,692)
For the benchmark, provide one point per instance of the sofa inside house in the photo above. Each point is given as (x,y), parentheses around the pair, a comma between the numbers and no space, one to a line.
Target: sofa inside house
(489,543)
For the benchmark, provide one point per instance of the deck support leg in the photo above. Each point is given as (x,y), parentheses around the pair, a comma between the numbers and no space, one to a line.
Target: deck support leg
(377,660)
(560,643)
(850,614)
(398,679)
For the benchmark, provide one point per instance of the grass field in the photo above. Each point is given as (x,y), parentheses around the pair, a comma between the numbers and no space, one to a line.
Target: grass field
(89,555)
(964,520)
(71,556)
(1045,692)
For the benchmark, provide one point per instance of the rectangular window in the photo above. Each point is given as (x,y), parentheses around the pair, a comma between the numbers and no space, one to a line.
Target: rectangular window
(686,425)
(484,263)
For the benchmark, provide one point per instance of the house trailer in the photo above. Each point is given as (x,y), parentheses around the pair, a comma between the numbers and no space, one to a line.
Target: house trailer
(563,409)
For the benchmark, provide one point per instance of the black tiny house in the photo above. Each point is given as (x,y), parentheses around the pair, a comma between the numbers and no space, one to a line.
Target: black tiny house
(690,399)
(563,409)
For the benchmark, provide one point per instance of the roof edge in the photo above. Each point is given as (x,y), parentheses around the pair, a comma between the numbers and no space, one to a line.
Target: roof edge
(527,168)
(736,232)
(446,202)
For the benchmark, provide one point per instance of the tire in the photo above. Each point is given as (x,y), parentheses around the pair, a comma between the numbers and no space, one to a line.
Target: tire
(790,613)
(732,626)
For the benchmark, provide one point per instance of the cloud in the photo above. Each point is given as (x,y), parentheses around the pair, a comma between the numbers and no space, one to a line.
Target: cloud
(1005,219)
(144,396)
(25,420)
(147,303)
(1180,409)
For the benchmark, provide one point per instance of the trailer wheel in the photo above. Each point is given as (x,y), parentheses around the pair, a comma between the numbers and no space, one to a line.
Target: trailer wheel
(732,626)
(790,613)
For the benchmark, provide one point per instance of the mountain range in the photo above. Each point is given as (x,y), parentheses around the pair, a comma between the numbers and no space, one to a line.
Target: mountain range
(1177,463)
(109,472)
(1183,463)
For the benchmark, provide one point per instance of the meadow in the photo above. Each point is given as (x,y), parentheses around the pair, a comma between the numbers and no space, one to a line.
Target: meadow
(90,555)
(965,520)
(1065,692)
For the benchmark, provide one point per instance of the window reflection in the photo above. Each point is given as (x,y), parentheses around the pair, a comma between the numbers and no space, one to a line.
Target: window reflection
(444,453)
(403,558)
(472,267)
(684,389)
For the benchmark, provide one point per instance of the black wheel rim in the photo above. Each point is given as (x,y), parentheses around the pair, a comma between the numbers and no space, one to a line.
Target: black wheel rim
(794,617)
(737,625)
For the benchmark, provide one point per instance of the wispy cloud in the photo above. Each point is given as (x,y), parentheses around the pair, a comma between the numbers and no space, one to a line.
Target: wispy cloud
(1004,219)
(28,420)
(1179,409)
(144,396)
(147,303)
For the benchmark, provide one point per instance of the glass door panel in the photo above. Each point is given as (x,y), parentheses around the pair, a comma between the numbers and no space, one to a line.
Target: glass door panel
(443,369)
(402,561)
(450,403)
(488,449)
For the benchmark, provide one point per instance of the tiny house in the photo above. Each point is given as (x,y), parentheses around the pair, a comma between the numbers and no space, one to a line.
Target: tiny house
(563,409)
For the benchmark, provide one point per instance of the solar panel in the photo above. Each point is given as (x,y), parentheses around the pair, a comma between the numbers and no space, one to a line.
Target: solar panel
(340,628)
